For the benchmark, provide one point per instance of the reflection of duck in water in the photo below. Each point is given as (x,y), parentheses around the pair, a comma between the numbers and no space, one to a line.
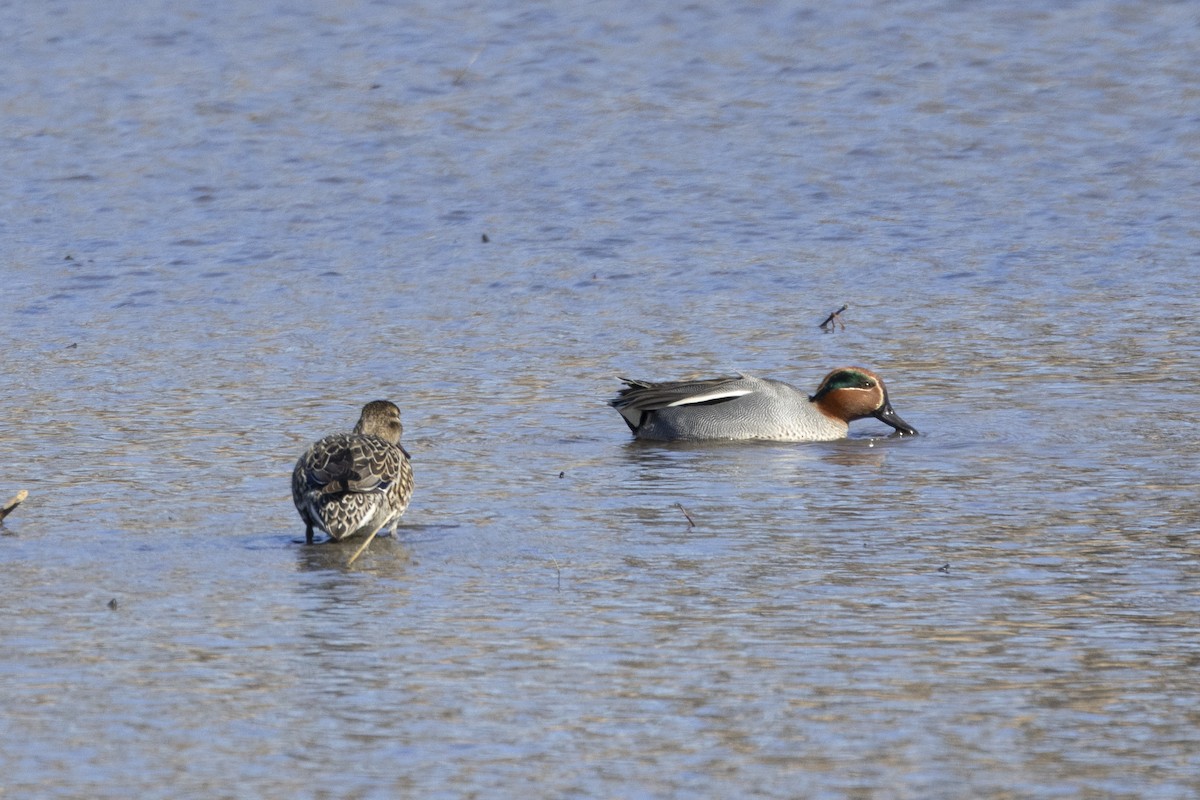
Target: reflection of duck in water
(746,407)
(355,483)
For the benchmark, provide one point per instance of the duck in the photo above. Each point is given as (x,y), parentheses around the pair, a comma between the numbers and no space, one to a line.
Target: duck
(350,484)
(744,407)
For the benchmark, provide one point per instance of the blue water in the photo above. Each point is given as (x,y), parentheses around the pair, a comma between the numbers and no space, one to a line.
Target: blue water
(223,228)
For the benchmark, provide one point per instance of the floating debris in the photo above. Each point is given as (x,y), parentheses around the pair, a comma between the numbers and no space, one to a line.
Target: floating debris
(833,320)
(360,550)
(11,505)
(691,522)
(462,73)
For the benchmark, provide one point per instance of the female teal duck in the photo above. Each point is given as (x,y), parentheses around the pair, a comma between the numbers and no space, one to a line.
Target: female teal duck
(355,483)
(746,407)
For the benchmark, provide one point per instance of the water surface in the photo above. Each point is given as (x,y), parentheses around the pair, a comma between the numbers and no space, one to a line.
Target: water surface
(227,227)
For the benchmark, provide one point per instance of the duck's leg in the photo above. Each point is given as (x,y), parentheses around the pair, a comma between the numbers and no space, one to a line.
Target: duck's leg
(308,535)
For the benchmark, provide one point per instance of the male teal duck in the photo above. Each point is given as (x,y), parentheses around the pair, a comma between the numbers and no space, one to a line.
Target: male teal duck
(355,483)
(747,407)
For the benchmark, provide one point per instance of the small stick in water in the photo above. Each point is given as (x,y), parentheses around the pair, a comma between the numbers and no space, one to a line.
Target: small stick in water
(691,522)
(359,551)
(8,507)
(833,320)
(462,73)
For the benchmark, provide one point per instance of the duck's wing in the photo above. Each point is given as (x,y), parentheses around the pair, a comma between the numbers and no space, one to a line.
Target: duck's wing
(348,463)
(640,397)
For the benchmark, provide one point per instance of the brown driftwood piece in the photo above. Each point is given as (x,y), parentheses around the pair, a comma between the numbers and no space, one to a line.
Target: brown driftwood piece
(834,319)
(8,507)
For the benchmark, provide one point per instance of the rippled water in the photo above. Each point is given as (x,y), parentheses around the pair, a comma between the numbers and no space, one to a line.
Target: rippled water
(226,227)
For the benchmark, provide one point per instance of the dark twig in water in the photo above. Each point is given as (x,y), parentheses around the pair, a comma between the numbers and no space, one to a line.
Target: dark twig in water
(691,522)
(8,507)
(833,320)
(458,79)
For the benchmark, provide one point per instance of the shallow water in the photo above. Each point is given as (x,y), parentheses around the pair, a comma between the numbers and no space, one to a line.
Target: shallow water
(225,228)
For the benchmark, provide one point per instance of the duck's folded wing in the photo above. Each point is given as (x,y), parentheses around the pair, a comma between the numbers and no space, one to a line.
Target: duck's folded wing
(639,397)
(359,464)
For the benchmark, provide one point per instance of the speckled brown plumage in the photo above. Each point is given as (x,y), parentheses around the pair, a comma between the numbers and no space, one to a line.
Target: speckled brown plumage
(355,483)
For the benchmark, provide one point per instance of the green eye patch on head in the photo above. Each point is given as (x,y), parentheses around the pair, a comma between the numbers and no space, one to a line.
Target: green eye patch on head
(843,379)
